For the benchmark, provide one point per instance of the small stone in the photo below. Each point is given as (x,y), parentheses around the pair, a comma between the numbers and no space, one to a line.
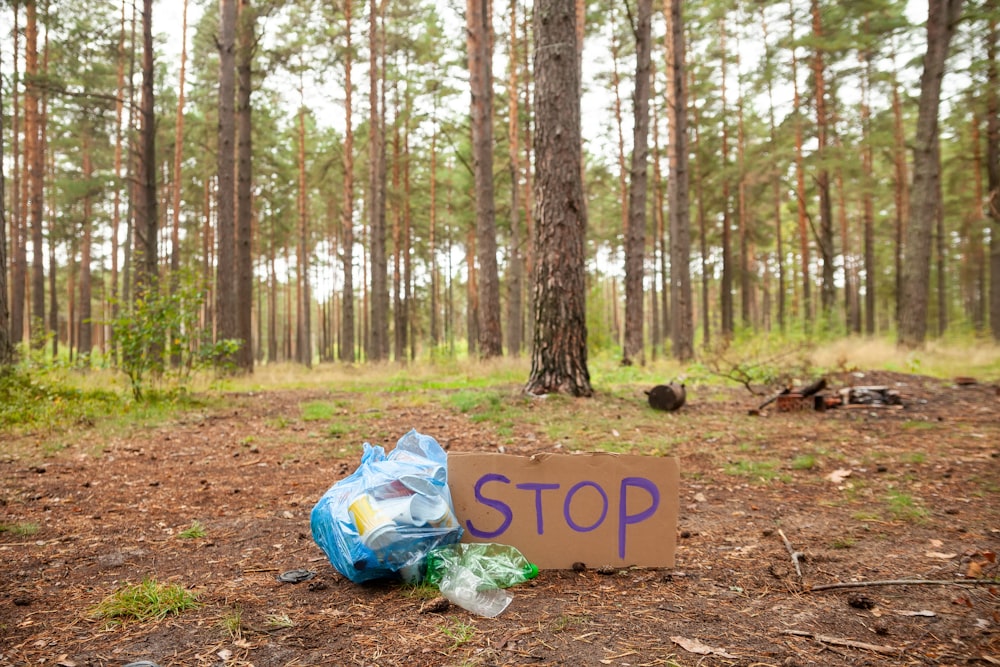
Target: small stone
(579,567)
(435,606)
(861,602)
(607,569)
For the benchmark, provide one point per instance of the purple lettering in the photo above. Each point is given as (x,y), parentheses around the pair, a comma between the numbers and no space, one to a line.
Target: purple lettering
(498,505)
(624,518)
(569,499)
(538,487)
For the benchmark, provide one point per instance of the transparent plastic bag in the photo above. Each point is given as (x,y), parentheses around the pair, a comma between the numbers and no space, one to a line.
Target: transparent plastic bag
(388,514)
(474,575)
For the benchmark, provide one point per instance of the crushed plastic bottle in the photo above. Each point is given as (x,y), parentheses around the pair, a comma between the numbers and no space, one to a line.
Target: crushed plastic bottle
(473,576)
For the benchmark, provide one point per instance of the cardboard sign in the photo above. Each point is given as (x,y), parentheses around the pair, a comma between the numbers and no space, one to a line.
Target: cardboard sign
(559,509)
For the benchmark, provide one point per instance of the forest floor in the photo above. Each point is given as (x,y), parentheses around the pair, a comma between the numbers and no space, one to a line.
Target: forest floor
(865,495)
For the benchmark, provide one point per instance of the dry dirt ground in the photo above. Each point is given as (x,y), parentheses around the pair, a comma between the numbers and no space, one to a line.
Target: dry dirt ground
(922,502)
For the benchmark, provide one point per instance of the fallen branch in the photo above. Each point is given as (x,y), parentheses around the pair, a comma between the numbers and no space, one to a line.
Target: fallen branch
(796,555)
(904,582)
(826,639)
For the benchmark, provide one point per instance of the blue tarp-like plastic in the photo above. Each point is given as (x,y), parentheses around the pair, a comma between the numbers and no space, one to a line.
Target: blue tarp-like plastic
(386,515)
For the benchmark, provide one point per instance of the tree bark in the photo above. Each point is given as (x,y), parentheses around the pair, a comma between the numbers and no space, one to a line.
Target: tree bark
(828,288)
(244,181)
(225,277)
(480,47)
(515,262)
(34,167)
(346,351)
(800,186)
(6,344)
(726,298)
(680,225)
(635,233)
(993,169)
(559,354)
(379,327)
(925,191)
(175,228)
(18,257)
(146,205)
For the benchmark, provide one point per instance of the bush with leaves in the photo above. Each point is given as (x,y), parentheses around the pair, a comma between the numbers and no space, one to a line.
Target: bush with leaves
(161,341)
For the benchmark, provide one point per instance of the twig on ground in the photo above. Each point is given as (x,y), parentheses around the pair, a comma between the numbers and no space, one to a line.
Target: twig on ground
(904,582)
(796,555)
(836,641)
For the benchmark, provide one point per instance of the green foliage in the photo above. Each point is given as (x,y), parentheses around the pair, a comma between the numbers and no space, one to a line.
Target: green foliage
(904,507)
(459,632)
(195,531)
(760,471)
(318,411)
(161,339)
(24,529)
(41,398)
(145,601)
(232,623)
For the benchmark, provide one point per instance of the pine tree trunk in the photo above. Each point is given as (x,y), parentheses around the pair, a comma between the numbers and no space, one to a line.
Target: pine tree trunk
(828,289)
(225,276)
(18,257)
(868,200)
(146,204)
(925,193)
(635,234)
(303,328)
(993,170)
(33,165)
(680,225)
(515,262)
(900,190)
(379,299)
(775,181)
(800,187)
(398,315)
(726,297)
(119,184)
(6,346)
(346,351)
(86,342)
(432,238)
(480,47)
(175,228)
(699,193)
(559,355)
(244,182)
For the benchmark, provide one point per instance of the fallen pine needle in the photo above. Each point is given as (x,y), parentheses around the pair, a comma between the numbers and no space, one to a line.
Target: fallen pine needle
(902,582)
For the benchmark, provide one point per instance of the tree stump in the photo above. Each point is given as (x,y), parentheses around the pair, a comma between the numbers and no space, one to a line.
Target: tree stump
(669,397)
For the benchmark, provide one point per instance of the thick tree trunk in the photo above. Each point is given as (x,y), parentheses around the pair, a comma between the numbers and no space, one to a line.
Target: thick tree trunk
(480,47)
(559,354)
(925,193)
(776,197)
(225,276)
(147,221)
(635,234)
(993,170)
(680,225)
(346,352)
(244,182)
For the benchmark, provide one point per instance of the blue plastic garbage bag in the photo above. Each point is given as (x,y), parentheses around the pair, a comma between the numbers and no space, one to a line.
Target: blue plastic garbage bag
(385,516)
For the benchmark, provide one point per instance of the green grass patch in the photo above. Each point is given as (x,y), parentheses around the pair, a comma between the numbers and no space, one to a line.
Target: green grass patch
(759,471)
(459,632)
(232,623)
(318,411)
(904,507)
(24,529)
(193,532)
(804,462)
(146,601)
(920,425)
